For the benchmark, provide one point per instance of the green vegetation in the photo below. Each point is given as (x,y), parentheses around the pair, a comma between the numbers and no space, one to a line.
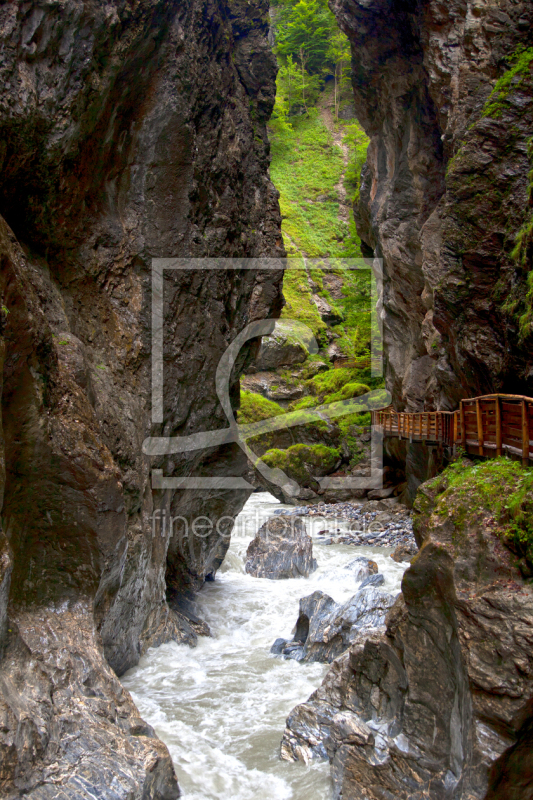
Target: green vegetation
(500,486)
(357,141)
(299,303)
(326,385)
(521,65)
(348,391)
(255,408)
(303,31)
(306,167)
(298,461)
(351,427)
(520,300)
(317,160)
(310,47)
(305,402)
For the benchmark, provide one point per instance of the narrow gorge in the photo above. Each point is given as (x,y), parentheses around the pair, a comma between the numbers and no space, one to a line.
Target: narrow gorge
(252,608)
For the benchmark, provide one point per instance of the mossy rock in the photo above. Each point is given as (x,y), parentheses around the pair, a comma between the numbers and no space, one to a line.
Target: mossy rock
(494,496)
(304,462)
(256,408)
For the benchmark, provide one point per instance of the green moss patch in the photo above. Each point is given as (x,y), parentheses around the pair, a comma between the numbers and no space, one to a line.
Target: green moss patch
(327,386)
(301,460)
(522,61)
(255,408)
(501,487)
(347,392)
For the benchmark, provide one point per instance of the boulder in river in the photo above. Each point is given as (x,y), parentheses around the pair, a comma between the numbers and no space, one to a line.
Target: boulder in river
(404,552)
(325,629)
(281,549)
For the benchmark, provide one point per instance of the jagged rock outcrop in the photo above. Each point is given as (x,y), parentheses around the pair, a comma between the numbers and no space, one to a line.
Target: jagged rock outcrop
(439,706)
(281,549)
(445,197)
(127,131)
(326,629)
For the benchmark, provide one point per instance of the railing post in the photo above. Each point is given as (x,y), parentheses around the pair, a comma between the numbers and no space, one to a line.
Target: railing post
(499,447)
(525,434)
(463,425)
(479,427)
(455,423)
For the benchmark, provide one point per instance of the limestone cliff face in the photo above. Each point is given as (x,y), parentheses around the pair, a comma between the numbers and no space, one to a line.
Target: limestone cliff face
(128,130)
(445,195)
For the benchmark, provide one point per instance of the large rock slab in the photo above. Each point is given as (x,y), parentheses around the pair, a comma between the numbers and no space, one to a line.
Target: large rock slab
(446,214)
(288,344)
(281,549)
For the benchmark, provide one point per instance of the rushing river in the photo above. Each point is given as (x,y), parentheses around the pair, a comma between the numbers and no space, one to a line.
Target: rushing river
(221,707)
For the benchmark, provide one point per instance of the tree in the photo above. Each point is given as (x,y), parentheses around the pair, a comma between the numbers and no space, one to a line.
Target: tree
(294,87)
(339,54)
(304,31)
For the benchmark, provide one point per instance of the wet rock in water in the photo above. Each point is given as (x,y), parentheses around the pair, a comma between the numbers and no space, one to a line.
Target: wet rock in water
(404,552)
(362,567)
(373,580)
(325,629)
(281,549)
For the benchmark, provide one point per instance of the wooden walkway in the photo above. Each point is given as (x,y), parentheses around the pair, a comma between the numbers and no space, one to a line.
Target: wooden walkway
(485,426)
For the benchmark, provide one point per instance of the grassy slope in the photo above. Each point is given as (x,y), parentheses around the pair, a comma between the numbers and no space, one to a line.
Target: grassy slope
(307,168)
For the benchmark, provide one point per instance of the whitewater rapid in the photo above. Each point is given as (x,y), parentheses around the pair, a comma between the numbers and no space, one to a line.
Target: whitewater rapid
(221,707)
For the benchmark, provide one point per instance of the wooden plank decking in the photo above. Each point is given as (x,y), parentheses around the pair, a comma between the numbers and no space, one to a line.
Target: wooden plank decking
(485,426)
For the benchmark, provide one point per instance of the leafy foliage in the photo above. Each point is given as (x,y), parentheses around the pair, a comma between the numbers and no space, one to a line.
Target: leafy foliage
(304,31)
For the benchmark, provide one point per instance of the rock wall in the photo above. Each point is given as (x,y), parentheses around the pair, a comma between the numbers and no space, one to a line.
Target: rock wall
(128,130)
(440,705)
(446,194)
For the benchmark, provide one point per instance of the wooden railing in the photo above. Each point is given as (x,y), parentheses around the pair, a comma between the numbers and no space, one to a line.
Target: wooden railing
(484,426)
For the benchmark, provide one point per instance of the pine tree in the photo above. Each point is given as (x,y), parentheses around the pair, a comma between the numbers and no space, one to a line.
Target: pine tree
(304,32)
